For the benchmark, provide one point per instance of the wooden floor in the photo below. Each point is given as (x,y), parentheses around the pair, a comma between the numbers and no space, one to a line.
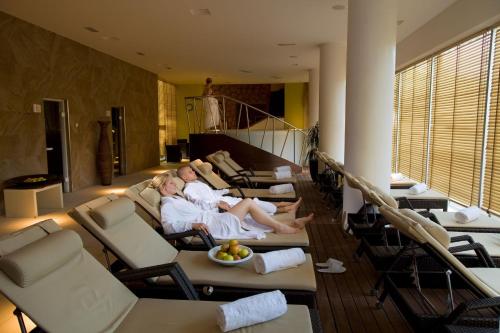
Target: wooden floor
(344,302)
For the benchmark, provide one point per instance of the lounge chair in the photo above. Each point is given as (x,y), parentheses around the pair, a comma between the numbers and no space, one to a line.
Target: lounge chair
(481,281)
(483,223)
(204,170)
(50,277)
(430,199)
(116,225)
(239,169)
(149,200)
(218,160)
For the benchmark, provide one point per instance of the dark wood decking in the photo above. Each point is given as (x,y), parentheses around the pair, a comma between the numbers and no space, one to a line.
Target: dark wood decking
(344,300)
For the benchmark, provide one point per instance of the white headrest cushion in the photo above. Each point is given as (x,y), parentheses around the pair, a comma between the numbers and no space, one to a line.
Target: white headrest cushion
(434,229)
(225,153)
(205,168)
(152,196)
(219,157)
(113,212)
(42,257)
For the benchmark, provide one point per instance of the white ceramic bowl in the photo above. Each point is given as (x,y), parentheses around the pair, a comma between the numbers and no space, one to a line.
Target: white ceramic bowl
(213,252)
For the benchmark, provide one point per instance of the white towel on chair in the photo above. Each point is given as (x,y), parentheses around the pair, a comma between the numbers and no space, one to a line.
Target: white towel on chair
(397,176)
(277,260)
(251,310)
(418,188)
(467,215)
(282,174)
(283,168)
(282,188)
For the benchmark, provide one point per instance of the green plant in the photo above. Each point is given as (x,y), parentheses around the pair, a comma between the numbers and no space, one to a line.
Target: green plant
(312,141)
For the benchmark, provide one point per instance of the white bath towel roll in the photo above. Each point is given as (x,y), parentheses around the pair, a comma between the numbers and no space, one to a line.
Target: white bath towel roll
(418,188)
(251,310)
(467,215)
(278,260)
(283,168)
(282,174)
(281,188)
(397,176)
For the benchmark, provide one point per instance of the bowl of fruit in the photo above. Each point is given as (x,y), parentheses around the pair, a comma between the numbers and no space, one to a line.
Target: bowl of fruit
(231,253)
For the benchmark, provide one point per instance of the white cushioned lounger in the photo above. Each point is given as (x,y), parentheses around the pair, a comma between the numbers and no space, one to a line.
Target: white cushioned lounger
(447,220)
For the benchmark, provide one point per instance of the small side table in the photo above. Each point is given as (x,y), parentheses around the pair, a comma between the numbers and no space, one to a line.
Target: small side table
(25,202)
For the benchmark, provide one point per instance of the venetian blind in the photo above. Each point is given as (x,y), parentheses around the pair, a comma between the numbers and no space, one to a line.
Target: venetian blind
(414,120)
(395,124)
(457,119)
(167,115)
(491,186)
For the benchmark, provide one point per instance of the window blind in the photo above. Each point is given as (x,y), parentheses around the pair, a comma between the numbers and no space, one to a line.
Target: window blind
(414,119)
(395,125)
(457,119)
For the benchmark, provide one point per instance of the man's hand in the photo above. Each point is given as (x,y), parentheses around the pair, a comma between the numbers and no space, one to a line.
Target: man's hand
(223,205)
(200,226)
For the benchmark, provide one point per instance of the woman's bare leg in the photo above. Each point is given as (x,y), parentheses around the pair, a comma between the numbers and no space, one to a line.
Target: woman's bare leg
(248,206)
(302,221)
(285,207)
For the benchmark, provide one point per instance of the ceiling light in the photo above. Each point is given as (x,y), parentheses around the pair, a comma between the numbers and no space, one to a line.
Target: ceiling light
(295,64)
(246,71)
(286,44)
(293,56)
(200,12)
(401,22)
(338,7)
(140,53)
(91,29)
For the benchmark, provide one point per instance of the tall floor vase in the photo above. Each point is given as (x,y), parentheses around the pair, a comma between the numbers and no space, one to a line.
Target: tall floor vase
(104,162)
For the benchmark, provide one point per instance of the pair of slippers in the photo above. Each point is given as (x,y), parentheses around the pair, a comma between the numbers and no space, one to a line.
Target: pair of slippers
(332,266)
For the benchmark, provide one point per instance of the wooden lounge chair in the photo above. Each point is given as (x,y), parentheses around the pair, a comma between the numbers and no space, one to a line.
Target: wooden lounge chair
(149,200)
(239,169)
(51,278)
(116,225)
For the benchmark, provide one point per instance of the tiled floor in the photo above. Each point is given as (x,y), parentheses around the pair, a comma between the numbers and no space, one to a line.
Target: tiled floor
(8,322)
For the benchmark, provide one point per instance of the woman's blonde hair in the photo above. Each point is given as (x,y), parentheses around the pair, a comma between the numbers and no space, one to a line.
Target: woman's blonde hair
(161,179)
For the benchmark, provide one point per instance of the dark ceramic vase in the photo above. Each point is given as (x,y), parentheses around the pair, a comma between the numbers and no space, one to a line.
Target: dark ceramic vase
(104,162)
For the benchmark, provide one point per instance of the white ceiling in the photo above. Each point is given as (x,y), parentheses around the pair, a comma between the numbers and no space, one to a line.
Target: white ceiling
(238,35)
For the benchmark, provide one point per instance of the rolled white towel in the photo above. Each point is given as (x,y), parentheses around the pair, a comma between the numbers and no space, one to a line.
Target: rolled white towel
(282,174)
(278,260)
(418,188)
(283,168)
(281,188)
(251,310)
(397,176)
(467,215)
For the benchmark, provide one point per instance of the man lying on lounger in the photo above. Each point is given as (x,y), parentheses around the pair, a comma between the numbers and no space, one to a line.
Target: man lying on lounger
(204,197)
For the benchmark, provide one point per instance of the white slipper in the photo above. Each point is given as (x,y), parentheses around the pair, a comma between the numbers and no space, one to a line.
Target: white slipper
(333,269)
(329,262)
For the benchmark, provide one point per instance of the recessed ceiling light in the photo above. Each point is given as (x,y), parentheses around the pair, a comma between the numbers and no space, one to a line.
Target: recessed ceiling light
(295,64)
(246,71)
(91,29)
(338,7)
(200,12)
(401,22)
(293,56)
(286,44)
(140,53)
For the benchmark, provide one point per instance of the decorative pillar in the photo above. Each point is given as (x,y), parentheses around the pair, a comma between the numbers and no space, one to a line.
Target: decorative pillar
(313,112)
(332,85)
(371,55)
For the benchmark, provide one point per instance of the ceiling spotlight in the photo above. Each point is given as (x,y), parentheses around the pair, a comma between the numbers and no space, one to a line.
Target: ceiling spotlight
(200,12)
(140,53)
(338,7)
(286,44)
(91,29)
(401,22)
(246,71)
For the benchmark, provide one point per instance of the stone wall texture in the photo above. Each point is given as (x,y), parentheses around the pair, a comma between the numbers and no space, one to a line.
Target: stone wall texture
(37,64)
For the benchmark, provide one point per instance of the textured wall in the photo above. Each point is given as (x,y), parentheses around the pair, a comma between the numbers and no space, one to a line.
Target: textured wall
(37,64)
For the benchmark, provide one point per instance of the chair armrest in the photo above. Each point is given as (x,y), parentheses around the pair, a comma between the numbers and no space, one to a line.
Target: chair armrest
(481,252)
(477,304)
(173,269)
(239,190)
(405,200)
(207,239)
(462,238)
(246,172)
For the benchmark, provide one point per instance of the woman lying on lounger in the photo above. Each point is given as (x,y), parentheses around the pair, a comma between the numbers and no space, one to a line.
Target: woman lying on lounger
(178,215)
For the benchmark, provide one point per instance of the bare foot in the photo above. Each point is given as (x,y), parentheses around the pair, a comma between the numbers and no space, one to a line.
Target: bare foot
(293,207)
(286,229)
(302,221)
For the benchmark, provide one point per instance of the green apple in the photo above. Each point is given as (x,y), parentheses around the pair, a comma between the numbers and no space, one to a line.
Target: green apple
(220,255)
(228,257)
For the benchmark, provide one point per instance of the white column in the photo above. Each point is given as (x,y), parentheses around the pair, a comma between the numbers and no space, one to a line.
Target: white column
(313,112)
(371,54)
(332,85)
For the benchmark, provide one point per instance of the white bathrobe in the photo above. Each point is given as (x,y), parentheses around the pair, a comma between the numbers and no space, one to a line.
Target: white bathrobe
(178,215)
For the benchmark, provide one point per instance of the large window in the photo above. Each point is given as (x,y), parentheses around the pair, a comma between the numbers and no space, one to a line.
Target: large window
(440,114)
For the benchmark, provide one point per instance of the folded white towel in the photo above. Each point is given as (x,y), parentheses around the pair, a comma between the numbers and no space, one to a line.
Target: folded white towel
(418,188)
(282,188)
(282,174)
(277,260)
(397,176)
(283,168)
(251,310)
(467,215)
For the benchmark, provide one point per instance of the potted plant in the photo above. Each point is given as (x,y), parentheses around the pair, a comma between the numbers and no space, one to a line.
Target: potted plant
(312,143)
